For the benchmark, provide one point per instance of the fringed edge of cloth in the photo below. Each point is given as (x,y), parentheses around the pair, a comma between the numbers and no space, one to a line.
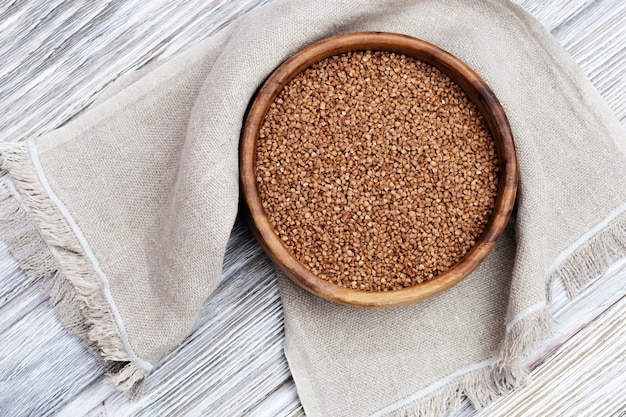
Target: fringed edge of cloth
(47,249)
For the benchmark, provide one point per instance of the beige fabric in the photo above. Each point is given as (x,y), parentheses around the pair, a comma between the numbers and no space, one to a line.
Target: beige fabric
(135,200)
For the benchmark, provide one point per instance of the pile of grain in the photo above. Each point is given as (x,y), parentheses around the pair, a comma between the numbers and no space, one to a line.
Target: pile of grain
(376,170)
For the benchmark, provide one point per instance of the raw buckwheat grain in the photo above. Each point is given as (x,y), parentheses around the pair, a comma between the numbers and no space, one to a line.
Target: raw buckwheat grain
(376,170)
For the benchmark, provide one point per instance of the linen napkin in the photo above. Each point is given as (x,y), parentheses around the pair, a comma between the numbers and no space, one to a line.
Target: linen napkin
(126,210)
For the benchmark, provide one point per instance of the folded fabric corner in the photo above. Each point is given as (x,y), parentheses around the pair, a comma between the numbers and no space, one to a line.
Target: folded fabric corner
(47,249)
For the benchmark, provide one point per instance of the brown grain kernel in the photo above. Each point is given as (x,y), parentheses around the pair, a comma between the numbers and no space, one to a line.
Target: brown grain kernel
(376,170)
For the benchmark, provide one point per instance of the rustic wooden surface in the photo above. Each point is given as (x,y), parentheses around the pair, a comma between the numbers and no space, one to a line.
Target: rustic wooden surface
(57,56)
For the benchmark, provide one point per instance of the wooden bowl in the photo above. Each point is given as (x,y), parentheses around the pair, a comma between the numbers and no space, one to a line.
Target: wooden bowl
(475,88)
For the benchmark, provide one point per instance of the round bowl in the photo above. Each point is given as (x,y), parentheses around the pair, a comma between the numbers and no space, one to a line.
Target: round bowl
(477,91)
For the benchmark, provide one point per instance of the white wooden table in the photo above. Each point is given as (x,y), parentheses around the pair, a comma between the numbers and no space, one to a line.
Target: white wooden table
(57,56)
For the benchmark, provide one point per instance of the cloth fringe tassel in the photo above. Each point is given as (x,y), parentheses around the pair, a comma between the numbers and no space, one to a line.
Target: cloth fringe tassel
(593,258)
(507,373)
(47,250)
(484,385)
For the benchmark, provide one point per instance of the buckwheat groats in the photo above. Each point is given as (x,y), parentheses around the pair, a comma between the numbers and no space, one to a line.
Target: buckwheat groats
(376,170)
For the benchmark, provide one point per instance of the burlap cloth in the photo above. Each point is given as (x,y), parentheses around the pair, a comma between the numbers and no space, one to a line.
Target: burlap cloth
(127,209)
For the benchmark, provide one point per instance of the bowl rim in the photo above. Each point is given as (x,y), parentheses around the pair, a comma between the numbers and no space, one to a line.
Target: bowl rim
(477,90)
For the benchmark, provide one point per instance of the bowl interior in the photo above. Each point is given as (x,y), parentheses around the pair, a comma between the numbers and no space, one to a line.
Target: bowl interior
(478,92)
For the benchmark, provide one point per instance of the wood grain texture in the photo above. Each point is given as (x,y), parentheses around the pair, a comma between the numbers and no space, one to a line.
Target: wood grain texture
(56,57)
(602,344)
(477,91)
